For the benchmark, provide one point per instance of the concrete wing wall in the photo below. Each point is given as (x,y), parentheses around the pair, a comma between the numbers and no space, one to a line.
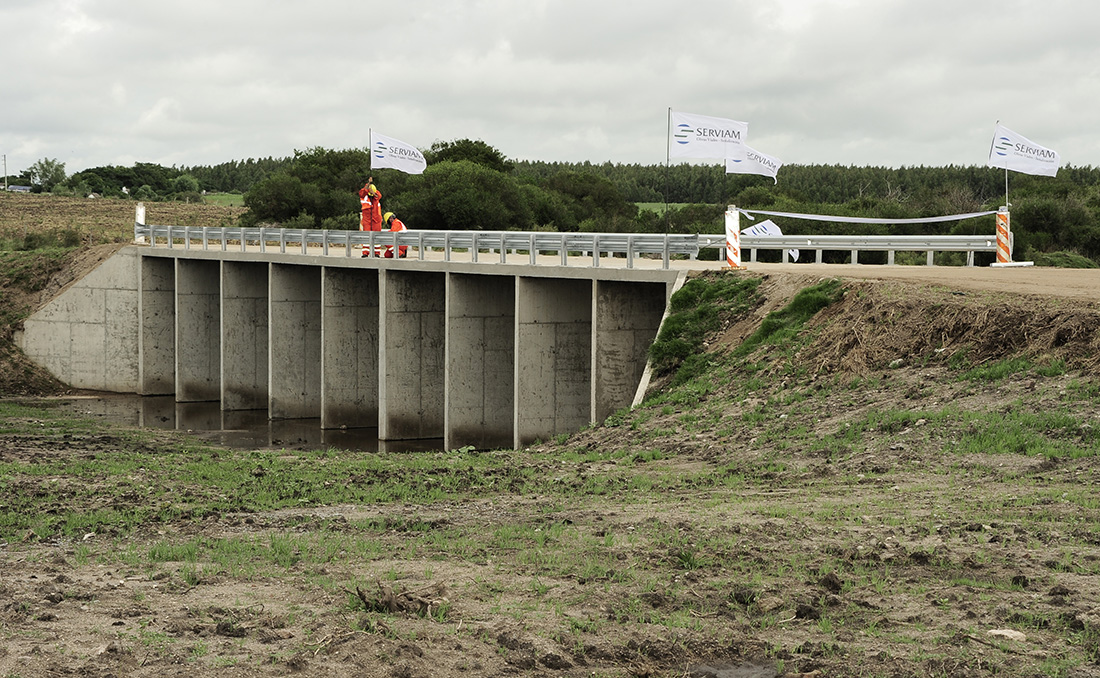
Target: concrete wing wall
(88,336)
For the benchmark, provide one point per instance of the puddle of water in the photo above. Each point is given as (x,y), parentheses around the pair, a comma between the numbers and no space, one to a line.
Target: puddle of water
(239,429)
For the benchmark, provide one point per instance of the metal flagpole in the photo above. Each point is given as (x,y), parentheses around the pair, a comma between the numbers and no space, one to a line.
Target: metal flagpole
(991,144)
(668,161)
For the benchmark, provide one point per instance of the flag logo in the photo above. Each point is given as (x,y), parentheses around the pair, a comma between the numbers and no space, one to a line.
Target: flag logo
(1016,152)
(390,152)
(703,136)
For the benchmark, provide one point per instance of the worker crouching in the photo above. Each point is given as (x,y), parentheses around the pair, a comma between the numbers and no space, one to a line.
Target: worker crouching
(394,224)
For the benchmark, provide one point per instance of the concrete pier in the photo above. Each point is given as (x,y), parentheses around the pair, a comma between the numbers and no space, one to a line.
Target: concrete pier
(294,340)
(491,355)
(244,340)
(481,348)
(198,330)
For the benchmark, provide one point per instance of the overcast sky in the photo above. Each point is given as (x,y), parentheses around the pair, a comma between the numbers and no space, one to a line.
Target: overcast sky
(850,82)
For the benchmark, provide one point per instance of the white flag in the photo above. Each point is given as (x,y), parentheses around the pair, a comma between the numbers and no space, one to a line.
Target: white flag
(769,227)
(701,136)
(754,162)
(389,152)
(1019,154)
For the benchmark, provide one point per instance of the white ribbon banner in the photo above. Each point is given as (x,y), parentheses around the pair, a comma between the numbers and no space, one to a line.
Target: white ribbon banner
(865,220)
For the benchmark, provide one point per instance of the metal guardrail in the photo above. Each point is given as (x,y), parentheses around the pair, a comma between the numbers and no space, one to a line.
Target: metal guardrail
(930,244)
(474,243)
(596,245)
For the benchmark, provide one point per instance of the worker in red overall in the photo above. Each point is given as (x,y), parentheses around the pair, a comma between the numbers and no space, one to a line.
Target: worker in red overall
(394,224)
(370,205)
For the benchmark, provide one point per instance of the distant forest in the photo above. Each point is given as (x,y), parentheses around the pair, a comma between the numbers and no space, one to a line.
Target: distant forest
(470,185)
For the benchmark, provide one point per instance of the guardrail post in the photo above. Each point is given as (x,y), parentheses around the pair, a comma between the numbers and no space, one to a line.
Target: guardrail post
(931,255)
(855,256)
(532,253)
(473,247)
(596,251)
(630,251)
(564,252)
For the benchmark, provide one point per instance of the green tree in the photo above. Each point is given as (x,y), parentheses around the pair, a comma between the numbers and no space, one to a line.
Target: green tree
(594,199)
(185,183)
(47,173)
(477,152)
(319,184)
(278,198)
(464,195)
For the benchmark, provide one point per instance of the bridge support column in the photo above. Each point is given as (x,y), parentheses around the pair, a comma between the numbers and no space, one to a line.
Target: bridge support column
(294,380)
(244,341)
(198,330)
(410,354)
(480,360)
(625,320)
(349,348)
(553,357)
(157,326)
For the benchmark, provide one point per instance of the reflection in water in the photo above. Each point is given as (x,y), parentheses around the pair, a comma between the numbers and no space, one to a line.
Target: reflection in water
(240,429)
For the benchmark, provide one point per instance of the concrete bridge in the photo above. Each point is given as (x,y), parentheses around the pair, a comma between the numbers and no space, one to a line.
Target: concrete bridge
(485,354)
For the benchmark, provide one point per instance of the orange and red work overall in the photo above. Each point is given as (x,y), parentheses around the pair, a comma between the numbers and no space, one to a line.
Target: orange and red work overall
(396,225)
(370,202)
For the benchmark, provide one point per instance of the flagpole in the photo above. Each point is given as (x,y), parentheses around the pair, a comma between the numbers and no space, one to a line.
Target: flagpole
(668,161)
(992,143)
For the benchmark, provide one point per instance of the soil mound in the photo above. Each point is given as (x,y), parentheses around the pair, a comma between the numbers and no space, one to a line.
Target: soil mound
(880,322)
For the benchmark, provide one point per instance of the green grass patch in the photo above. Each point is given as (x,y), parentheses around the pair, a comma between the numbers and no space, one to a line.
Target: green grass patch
(695,311)
(783,325)
(224,199)
(1064,260)
(998,370)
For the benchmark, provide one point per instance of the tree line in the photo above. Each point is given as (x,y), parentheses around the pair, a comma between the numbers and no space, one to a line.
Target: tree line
(469,184)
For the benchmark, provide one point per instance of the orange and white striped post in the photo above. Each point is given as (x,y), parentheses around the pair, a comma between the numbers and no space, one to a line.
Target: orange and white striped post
(1004,237)
(733,237)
